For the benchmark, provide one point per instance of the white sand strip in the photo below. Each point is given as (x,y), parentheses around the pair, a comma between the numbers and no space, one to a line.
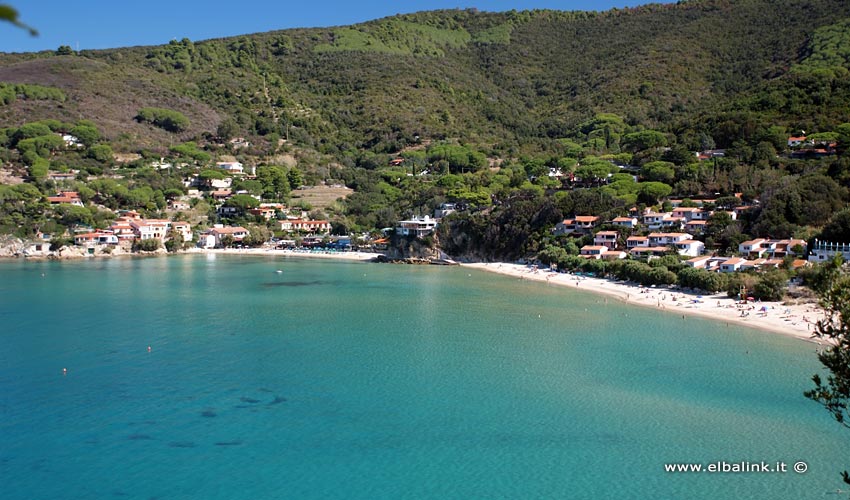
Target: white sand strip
(792,320)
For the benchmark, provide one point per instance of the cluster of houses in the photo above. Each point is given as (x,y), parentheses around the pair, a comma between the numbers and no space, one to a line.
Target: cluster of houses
(130,227)
(675,231)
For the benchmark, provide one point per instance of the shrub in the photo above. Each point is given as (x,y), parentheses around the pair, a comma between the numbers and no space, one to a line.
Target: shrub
(147,245)
(166,119)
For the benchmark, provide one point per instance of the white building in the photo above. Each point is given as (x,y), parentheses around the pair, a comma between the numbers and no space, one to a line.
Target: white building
(606,238)
(593,251)
(690,248)
(417,226)
(233,167)
(629,222)
(823,251)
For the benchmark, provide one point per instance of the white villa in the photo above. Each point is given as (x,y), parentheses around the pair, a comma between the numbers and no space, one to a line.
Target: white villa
(417,226)
(826,250)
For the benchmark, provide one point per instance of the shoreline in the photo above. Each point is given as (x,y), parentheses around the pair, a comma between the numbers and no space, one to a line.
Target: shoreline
(78,256)
(269,252)
(796,320)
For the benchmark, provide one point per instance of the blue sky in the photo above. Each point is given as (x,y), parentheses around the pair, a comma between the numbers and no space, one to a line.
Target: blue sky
(100,24)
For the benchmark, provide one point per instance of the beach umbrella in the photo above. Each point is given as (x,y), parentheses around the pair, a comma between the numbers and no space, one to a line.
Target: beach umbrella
(751,298)
(764,308)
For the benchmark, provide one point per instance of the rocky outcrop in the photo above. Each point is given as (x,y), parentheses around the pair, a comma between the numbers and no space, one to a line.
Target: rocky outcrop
(11,246)
(411,250)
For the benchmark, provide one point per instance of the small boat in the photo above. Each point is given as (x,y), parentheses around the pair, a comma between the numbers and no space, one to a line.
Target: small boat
(279,271)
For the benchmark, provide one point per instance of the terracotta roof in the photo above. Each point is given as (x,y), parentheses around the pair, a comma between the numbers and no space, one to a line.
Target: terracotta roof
(230,230)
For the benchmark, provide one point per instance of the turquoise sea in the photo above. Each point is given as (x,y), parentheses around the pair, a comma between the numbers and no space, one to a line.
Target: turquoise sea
(339,379)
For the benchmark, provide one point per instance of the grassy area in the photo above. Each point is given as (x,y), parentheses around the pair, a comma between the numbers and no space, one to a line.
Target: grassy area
(320,197)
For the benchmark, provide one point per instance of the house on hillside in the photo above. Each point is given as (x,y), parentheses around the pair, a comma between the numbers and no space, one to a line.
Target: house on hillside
(62,176)
(593,251)
(417,226)
(580,224)
(732,265)
(267,213)
(823,251)
(646,252)
(664,239)
(633,242)
(96,238)
(690,248)
(696,226)
(309,226)
(796,141)
(70,197)
(178,205)
(238,233)
(753,248)
(71,141)
(607,239)
(629,222)
(231,167)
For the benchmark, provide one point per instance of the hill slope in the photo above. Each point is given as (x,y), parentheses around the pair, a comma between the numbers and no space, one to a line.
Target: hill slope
(509,79)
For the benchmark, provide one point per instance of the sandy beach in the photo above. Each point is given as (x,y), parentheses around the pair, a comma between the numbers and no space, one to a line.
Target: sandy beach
(793,320)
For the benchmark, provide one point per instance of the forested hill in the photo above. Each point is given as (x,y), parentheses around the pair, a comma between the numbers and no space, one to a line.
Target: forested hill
(515,81)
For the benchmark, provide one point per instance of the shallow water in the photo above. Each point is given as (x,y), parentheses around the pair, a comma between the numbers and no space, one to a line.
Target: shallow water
(339,379)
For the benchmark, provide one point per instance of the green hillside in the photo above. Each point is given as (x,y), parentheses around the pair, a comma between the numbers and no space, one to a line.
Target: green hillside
(472,108)
(517,79)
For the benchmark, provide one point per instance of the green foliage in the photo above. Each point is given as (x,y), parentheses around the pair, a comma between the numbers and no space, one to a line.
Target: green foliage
(29,131)
(242,201)
(830,48)
(227,129)
(257,236)
(701,279)
(9,14)
(458,158)
(68,215)
(9,92)
(838,227)
(659,171)
(191,151)
(101,153)
(834,392)
(810,200)
(295,178)
(771,285)
(499,34)
(39,168)
(275,182)
(395,36)
(646,139)
(651,192)
(213,174)
(150,245)
(43,145)
(87,134)
(641,272)
(166,119)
